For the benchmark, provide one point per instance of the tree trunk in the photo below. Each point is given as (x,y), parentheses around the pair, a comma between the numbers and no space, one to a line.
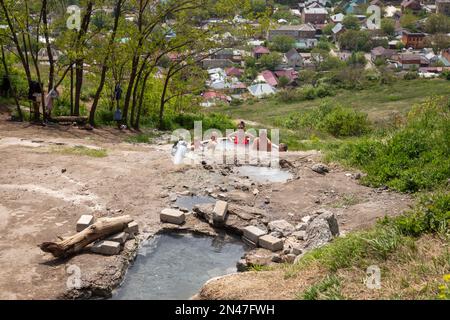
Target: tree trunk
(51,74)
(101,229)
(13,90)
(105,64)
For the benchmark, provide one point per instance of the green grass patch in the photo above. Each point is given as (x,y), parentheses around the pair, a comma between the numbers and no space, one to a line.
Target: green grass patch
(141,138)
(83,151)
(326,289)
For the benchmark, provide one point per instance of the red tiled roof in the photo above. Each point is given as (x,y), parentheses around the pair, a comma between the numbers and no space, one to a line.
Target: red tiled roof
(233,71)
(270,78)
(261,50)
(290,74)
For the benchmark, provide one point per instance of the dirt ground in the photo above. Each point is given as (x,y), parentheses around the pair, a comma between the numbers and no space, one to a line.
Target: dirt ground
(43,193)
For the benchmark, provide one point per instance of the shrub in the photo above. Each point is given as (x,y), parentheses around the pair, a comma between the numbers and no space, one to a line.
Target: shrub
(415,157)
(344,122)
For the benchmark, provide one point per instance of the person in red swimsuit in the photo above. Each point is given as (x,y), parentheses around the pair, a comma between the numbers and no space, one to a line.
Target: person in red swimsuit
(240,137)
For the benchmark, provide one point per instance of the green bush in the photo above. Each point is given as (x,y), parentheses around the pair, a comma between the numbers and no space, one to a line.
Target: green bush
(415,157)
(344,122)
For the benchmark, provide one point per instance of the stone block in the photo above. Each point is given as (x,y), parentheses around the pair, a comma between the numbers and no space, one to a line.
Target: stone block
(172,216)
(119,237)
(132,228)
(220,211)
(270,243)
(107,248)
(253,233)
(84,222)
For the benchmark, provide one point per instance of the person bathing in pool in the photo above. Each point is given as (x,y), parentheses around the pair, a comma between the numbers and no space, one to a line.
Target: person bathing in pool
(262,143)
(241,137)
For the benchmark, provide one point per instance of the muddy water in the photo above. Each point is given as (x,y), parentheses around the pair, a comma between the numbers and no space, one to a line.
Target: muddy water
(174,267)
(264,174)
(188,202)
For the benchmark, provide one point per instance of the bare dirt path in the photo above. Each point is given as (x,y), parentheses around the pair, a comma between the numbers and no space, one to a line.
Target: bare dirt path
(43,193)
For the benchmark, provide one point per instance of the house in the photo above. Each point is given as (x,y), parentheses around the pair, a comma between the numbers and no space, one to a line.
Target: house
(314,15)
(234,72)
(216,63)
(411,5)
(259,51)
(293,58)
(211,98)
(409,61)
(261,90)
(443,7)
(268,77)
(415,40)
(337,17)
(381,53)
(446,54)
(290,74)
(297,32)
(223,54)
(337,30)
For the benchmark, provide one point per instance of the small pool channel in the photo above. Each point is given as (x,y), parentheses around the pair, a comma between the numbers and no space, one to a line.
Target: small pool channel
(188,202)
(175,266)
(264,174)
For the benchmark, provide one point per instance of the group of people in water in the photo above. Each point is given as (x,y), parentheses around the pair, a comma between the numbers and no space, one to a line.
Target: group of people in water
(241,137)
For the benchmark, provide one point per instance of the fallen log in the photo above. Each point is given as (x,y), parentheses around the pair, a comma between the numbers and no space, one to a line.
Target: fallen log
(103,228)
(70,119)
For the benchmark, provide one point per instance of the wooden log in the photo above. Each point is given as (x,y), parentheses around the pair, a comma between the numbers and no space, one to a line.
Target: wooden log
(70,119)
(103,228)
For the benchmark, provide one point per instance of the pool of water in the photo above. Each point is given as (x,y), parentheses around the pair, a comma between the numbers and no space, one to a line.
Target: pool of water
(264,174)
(188,202)
(174,267)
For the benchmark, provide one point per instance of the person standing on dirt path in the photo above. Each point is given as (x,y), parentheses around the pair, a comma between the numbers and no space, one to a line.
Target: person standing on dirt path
(241,137)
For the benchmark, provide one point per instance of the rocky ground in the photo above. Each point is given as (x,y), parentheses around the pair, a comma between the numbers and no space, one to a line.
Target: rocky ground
(44,190)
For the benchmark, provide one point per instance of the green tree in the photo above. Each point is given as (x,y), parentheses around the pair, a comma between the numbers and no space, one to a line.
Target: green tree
(282,43)
(351,22)
(409,21)
(388,26)
(354,40)
(437,23)
(270,61)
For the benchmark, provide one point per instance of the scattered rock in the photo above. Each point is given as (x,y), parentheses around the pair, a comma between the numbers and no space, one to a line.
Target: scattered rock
(107,248)
(277,258)
(330,218)
(299,235)
(297,250)
(276,234)
(320,168)
(285,164)
(172,216)
(255,192)
(63,170)
(241,265)
(270,243)
(318,234)
(84,222)
(290,258)
(185,193)
(307,219)
(281,226)
(223,189)
(301,226)
(267,200)
(173,198)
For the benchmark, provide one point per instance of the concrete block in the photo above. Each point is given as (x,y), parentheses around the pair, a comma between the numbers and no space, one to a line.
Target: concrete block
(172,216)
(220,211)
(107,248)
(253,233)
(84,222)
(270,243)
(119,237)
(132,228)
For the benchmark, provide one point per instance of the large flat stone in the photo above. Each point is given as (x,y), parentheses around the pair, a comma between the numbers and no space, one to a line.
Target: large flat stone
(119,237)
(253,233)
(172,216)
(220,211)
(106,247)
(270,243)
(84,222)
